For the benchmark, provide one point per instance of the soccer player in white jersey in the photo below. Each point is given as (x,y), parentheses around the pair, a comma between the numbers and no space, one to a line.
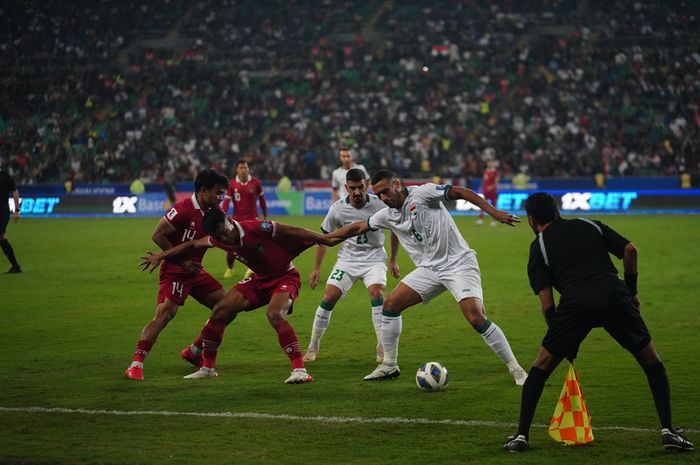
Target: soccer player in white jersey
(443,261)
(362,257)
(338,178)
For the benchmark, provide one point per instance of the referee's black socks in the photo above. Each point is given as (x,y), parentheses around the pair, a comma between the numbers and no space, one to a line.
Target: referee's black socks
(661,391)
(532,390)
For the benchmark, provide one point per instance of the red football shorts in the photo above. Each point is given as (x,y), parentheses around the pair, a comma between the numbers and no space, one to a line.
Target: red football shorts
(491,197)
(259,289)
(177,286)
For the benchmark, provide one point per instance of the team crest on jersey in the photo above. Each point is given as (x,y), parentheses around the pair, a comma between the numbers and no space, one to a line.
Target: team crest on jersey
(266,226)
(413,209)
(171,214)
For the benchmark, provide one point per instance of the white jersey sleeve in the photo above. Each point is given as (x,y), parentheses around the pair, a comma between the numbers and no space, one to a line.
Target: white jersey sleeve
(379,220)
(431,193)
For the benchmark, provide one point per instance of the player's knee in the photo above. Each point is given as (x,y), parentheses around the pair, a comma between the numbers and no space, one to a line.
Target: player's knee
(473,312)
(165,313)
(275,315)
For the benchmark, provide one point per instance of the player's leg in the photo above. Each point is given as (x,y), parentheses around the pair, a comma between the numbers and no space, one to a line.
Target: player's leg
(568,327)
(626,325)
(331,295)
(402,297)
(276,313)
(6,247)
(165,311)
(212,333)
(655,371)
(376,299)
(375,281)
(193,352)
(464,283)
(545,363)
(494,337)
(230,260)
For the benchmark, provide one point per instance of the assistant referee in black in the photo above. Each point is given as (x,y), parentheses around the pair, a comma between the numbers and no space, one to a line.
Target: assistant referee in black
(572,256)
(7,187)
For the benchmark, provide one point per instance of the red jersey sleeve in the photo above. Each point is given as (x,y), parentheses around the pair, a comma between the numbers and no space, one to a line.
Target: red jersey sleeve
(177,218)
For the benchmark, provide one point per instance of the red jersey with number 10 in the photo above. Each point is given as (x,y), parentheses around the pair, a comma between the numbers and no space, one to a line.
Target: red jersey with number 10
(245,198)
(186,217)
(260,250)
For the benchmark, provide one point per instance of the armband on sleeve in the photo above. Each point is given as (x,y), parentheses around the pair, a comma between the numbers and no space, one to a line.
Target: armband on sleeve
(631,282)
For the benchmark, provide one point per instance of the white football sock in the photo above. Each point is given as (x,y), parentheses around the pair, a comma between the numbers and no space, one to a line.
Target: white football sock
(391,330)
(377,322)
(496,340)
(321,321)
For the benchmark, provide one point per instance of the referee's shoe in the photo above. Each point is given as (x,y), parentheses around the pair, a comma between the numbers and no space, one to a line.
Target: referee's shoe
(673,440)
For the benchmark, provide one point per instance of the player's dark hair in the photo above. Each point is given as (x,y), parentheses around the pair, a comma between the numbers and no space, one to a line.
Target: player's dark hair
(242,162)
(209,178)
(542,207)
(381,175)
(355,175)
(213,218)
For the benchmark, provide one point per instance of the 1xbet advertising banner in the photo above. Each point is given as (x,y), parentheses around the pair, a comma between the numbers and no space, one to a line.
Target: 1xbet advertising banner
(632,201)
(317,202)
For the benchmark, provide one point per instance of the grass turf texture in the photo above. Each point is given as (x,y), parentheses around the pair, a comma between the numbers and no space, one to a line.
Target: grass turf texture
(71,321)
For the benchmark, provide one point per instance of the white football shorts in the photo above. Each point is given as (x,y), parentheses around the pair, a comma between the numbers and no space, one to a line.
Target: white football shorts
(462,281)
(345,274)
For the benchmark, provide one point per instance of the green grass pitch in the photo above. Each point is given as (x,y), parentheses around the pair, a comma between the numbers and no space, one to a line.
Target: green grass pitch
(71,320)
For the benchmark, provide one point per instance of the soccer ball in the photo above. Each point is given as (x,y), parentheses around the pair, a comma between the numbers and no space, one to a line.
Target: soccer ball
(432,377)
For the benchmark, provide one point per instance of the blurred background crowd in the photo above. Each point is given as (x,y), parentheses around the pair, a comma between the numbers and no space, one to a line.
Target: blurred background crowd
(107,91)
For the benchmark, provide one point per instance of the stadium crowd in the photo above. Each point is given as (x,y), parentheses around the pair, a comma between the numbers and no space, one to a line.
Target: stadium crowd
(109,91)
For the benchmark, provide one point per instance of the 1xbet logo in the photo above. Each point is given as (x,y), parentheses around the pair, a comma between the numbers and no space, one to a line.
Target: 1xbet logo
(124,205)
(597,200)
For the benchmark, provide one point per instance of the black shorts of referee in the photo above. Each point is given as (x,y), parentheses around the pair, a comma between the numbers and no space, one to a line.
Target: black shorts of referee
(600,302)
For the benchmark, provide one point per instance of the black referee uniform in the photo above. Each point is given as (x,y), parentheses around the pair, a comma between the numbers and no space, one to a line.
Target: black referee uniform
(573,257)
(7,187)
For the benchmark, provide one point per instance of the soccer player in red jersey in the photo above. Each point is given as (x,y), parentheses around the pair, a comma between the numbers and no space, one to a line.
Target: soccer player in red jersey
(181,276)
(489,187)
(245,190)
(267,248)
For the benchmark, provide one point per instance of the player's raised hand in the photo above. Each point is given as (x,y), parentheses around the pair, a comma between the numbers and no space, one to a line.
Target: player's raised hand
(505,218)
(150,262)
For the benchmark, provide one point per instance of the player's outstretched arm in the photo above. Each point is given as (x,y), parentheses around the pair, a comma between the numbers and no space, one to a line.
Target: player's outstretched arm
(457,192)
(151,261)
(349,230)
(294,232)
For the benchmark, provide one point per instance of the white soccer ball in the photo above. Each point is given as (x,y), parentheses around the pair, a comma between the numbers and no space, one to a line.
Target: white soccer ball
(432,377)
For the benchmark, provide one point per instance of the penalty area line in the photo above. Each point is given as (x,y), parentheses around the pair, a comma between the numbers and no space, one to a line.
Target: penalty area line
(319,419)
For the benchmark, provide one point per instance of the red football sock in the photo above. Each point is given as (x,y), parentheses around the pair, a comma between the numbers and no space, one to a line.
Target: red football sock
(289,343)
(211,335)
(199,342)
(142,349)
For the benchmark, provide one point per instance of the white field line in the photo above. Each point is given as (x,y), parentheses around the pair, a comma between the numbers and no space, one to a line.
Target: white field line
(319,419)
